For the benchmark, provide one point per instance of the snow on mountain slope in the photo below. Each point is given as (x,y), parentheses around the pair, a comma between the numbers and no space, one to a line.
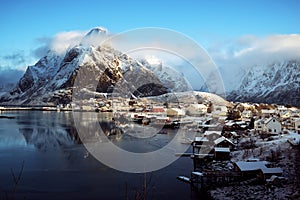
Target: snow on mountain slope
(277,83)
(170,78)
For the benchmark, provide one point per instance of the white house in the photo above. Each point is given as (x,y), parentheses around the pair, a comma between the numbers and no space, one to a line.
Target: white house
(294,112)
(196,109)
(269,125)
(267,113)
(272,125)
(259,125)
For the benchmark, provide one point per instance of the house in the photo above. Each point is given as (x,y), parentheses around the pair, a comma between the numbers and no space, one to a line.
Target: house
(235,125)
(269,125)
(249,169)
(175,112)
(158,109)
(257,169)
(266,173)
(246,114)
(285,114)
(221,153)
(224,142)
(297,125)
(202,148)
(200,142)
(272,125)
(267,113)
(294,112)
(259,125)
(196,109)
(282,108)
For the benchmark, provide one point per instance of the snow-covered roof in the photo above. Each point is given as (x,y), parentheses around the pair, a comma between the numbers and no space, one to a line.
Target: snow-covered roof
(259,121)
(199,106)
(270,119)
(201,139)
(275,170)
(212,132)
(234,133)
(221,139)
(251,166)
(222,149)
(265,111)
(229,123)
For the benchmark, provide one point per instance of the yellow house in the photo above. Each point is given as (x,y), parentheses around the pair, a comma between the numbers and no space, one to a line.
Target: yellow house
(175,112)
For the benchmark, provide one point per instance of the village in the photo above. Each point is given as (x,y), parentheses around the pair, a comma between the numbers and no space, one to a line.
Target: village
(239,149)
(237,145)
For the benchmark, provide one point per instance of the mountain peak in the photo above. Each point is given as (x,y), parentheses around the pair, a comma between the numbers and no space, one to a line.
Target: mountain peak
(97,31)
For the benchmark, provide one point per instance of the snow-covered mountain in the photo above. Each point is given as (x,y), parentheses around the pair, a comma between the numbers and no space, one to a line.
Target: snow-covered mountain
(276,83)
(52,78)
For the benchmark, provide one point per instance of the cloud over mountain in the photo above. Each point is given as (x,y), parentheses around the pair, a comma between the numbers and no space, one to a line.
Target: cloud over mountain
(236,57)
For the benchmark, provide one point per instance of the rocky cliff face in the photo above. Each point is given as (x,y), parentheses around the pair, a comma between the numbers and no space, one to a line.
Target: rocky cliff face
(277,83)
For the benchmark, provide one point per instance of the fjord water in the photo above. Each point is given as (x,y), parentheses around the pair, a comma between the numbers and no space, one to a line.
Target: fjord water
(57,166)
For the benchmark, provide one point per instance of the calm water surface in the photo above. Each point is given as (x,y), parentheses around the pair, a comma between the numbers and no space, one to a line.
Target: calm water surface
(57,166)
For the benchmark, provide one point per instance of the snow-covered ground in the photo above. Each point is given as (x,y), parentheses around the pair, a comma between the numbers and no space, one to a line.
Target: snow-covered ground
(263,148)
(288,160)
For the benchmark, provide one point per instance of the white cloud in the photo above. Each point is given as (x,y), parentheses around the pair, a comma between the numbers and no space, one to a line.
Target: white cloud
(58,43)
(271,49)
(62,41)
(237,56)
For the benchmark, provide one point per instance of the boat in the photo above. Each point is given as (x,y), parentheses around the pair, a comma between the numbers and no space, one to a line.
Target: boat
(184,179)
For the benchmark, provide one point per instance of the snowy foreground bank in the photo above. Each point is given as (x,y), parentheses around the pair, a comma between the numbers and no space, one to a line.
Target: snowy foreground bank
(287,158)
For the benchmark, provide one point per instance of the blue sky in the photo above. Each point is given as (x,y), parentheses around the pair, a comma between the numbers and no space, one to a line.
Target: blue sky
(25,23)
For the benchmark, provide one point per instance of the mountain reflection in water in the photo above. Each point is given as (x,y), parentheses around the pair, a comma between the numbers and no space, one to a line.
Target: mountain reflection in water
(58,166)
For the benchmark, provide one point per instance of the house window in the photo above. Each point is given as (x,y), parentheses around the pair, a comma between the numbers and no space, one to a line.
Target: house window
(270,130)
(274,130)
(273,120)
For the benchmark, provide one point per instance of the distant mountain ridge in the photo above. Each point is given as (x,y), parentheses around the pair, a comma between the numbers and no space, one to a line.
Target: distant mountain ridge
(277,83)
(51,79)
